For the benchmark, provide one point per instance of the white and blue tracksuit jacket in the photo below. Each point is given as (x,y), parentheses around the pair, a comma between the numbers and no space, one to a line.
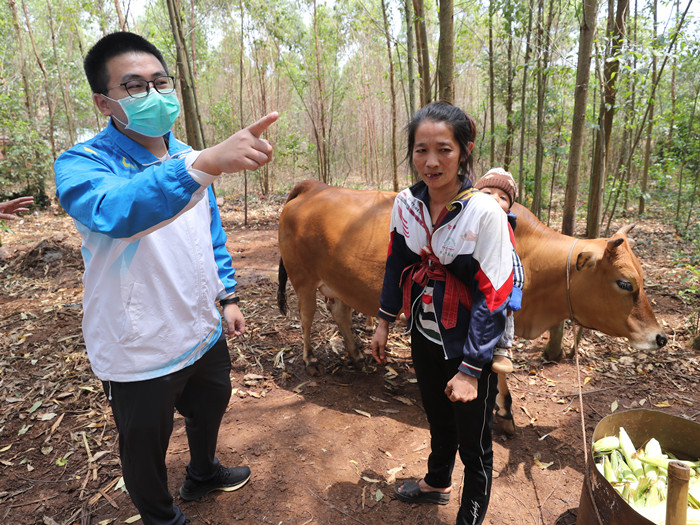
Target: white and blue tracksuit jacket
(472,242)
(154,252)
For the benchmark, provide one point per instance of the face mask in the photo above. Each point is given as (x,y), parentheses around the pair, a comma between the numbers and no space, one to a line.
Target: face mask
(152,115)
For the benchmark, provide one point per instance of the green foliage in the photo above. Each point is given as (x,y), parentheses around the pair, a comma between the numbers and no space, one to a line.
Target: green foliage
(27,161)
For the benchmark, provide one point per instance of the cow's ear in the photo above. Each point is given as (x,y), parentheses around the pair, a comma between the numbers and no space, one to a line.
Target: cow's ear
(586,260)
(613,244)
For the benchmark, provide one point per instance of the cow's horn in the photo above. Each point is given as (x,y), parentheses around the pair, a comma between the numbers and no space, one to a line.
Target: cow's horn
(625,229)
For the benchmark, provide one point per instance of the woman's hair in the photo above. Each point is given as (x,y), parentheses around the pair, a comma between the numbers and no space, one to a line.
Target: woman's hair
(463,129)
(110,46)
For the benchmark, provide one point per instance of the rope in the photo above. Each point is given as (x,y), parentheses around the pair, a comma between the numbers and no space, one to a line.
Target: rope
(587,478)
(568,288)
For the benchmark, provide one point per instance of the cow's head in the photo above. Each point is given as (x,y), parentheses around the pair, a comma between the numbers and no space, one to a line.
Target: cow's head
(608,286)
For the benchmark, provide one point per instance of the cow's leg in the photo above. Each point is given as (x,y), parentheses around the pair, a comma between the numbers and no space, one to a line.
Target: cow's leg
(307,310)
(342,314)
(504,407)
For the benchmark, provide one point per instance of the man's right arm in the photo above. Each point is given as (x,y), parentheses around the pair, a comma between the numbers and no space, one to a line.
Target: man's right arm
(244,150)
(122,201)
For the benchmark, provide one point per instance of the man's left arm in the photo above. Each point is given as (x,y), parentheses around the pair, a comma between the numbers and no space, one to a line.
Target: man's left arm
(235,321)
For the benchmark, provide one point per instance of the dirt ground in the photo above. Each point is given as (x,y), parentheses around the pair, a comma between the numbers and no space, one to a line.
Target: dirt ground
(324,450)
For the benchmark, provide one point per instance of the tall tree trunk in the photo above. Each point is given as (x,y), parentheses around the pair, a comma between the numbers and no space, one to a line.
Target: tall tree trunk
(394,170)
(120,15)
(408,13)
(543,64)
(674,66)
(650,127)
(321,142)
(583,72)
(241,51)
(70,119)
(523,98)
(510,126)
(77,29)
(47,88)
(261,63)
(492,94)
(446,52)
(193,47)
(423,53)
(189,104)
(616,34)
(22,62)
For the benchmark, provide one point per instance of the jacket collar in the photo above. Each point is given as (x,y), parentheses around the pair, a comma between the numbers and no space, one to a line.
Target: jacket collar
(420,191)
(136,152)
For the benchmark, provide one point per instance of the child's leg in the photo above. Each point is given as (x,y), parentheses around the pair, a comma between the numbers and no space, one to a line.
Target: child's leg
(502,363)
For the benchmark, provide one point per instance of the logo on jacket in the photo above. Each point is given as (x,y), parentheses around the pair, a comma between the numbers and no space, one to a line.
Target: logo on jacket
(469,236)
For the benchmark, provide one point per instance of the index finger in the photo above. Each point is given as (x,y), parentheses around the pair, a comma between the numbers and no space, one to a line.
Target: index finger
(261,125)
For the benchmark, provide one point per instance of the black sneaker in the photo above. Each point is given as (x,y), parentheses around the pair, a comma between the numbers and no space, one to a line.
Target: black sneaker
(225,478)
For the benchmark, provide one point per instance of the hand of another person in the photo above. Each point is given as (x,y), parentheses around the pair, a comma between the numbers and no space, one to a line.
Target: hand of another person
(462,387)
(10,208)
(244,150)
(235,322)
(379,339)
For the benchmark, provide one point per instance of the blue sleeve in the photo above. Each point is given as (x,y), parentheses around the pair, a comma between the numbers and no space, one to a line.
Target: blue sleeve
(399,257)
(121,202)
(223,259)
(516,299)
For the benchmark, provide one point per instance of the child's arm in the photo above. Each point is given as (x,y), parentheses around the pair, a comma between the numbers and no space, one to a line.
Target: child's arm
(516,295)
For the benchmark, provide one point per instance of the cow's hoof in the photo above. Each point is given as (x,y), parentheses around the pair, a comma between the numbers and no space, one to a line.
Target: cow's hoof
(358,364)
(314,369)
(505,424)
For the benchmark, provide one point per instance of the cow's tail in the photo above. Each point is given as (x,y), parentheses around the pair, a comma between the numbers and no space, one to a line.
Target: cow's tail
(282,288)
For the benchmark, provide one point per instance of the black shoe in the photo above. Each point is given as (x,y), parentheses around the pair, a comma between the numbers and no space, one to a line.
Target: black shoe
(225,478)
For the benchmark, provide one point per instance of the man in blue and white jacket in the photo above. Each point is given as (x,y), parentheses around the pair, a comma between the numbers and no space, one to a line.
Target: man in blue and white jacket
(155,263)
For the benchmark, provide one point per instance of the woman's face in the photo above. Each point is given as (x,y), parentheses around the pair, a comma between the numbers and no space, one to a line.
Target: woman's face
(436,155)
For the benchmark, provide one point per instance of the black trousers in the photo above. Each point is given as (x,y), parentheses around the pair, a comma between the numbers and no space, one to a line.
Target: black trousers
(144,411)
(456,427)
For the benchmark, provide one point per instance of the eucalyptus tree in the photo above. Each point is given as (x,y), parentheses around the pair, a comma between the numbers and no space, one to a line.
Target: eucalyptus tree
(615,36)
(392,88)
(587,29)
(446,51)
(186,79)
(423,53)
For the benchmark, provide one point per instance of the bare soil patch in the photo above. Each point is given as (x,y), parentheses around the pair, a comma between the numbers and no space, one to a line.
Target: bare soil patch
(324,450)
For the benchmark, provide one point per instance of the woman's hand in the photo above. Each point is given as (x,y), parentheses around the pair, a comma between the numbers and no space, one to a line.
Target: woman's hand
(379,339)
(462,387)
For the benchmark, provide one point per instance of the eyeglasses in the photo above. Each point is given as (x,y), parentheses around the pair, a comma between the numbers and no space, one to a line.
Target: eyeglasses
(140,88)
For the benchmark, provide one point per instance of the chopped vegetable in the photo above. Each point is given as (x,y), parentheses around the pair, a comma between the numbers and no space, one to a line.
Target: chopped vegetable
(640,476)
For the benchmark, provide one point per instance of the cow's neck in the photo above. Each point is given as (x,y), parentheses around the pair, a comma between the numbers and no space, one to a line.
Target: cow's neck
(546,280)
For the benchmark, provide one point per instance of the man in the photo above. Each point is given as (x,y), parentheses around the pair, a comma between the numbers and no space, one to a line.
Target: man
(155,264)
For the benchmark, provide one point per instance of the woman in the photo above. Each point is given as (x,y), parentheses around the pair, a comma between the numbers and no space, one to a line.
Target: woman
(450,269)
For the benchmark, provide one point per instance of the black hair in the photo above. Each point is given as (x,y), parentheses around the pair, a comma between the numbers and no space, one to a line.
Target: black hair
(109,46)
(463,129)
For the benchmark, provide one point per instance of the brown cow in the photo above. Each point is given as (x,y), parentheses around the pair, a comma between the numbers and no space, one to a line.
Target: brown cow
(335,240)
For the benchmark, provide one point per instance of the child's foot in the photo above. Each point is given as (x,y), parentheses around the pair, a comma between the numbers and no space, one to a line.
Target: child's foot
(502,363)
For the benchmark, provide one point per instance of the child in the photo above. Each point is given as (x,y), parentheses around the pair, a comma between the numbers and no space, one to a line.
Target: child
(500,184)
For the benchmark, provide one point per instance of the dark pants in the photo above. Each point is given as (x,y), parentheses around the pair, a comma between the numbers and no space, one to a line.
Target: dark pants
(456,427)
(144,411)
